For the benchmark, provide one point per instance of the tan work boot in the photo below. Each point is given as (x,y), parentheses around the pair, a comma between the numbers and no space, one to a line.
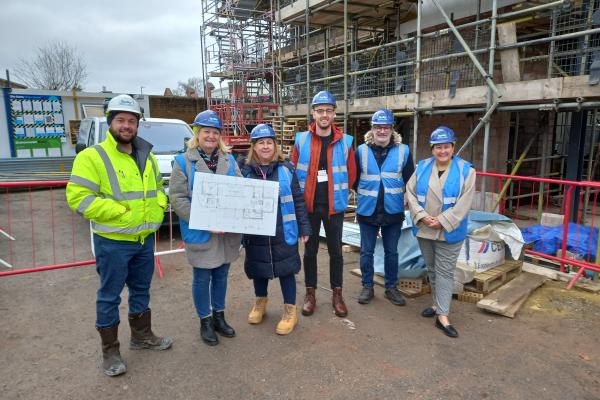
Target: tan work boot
(258,311)
(288,320)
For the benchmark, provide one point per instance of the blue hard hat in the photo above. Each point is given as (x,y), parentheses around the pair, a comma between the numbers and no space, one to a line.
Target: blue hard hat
(262,131)
(442,134)
(382,117)
(323,97)
(209,119)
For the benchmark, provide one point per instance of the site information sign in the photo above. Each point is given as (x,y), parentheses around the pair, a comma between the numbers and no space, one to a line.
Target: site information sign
(38,123)
(35,116)
(233,204)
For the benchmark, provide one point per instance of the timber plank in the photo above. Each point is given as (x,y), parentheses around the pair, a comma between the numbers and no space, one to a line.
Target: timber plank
(511,69)
(509,298)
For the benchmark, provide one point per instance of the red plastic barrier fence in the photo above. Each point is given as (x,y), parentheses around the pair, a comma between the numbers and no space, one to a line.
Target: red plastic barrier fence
(529,197)
(38,231)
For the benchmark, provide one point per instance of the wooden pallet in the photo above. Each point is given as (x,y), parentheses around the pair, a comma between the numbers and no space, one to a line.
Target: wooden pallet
(487,281)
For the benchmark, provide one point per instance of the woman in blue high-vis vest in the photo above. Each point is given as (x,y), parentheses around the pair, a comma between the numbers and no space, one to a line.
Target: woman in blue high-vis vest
(439,195)
(384,167)
(269,257)
(209,253)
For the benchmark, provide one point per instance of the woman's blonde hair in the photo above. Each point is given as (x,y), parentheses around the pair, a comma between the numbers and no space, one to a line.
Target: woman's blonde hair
(193,142)
(277,155)
(370,140)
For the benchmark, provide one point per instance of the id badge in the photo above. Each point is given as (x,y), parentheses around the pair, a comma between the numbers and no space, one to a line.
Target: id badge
(322,176)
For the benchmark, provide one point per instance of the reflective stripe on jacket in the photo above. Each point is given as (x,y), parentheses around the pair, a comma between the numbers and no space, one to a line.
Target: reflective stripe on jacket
(390,175)
(286,200)
(189,235)
(338,170)
(459,170)
(107,188)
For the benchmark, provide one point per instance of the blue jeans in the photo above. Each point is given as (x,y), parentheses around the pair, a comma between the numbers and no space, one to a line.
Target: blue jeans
(209,287)
(121,263)
(288,288)
(368,238)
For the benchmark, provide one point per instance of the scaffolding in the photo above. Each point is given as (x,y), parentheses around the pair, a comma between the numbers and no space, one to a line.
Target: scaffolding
(430,59)
(237,43)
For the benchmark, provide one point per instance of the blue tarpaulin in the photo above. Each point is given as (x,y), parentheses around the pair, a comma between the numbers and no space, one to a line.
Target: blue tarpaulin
(410,261)
(548,240)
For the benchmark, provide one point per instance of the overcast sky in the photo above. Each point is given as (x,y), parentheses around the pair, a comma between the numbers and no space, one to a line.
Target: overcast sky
(126,44)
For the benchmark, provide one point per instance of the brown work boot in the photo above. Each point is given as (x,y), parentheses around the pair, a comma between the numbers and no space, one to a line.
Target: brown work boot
(338,303)
(112,363)
(310,302)
(142,336)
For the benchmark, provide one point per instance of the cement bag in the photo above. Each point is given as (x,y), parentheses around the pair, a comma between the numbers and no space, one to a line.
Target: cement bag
(480,255)
(497,228)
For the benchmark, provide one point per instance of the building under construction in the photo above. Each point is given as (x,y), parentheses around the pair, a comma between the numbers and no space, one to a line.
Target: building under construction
(517,80)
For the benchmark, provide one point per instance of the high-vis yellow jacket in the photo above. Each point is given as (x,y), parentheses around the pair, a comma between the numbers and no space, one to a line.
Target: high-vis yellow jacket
(107,188)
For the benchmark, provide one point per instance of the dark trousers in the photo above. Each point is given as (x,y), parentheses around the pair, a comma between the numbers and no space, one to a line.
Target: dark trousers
(390,235)
(121,263)
(333,231)
(288,288)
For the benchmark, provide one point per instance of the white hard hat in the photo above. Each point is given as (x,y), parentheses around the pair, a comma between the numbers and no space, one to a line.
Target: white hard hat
(124,103)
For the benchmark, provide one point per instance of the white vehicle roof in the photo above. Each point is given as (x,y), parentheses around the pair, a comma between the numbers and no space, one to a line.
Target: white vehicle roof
(163,120)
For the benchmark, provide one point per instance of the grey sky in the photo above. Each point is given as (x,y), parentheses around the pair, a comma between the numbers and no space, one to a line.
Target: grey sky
(126,44)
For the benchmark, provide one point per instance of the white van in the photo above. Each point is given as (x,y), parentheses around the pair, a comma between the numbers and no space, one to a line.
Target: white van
(168,137)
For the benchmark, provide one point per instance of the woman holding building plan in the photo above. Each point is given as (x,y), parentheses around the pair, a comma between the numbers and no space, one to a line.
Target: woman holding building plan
(209,253)
(269,257)
(439,195)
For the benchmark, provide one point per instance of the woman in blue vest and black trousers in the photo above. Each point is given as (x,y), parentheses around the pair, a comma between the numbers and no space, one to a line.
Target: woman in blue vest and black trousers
(384,167)
(269,257)
(440,194)
(209,253)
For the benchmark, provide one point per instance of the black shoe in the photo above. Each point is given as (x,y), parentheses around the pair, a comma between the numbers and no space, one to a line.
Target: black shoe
(448,329)
(394,296)
(366,295)
(429,312)
(221,326)
(207,331)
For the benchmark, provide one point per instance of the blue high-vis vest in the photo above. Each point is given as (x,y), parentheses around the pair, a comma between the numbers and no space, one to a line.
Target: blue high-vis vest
(288,210)
(459,171)
(390,175)
(188,234)
(339,168)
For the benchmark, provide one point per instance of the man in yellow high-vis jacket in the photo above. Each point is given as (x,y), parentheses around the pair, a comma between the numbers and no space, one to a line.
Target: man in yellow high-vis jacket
(118,187)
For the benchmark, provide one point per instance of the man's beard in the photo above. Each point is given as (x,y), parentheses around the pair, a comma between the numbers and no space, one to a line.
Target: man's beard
(121,139)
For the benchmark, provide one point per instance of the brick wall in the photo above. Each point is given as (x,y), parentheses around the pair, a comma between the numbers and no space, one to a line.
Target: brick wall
(184,108)
(463,124)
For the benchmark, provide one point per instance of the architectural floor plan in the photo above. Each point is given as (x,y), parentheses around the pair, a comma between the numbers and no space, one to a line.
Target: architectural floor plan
(233,204)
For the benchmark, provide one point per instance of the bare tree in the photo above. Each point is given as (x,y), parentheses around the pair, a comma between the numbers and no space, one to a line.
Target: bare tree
(194,87)
(56,66)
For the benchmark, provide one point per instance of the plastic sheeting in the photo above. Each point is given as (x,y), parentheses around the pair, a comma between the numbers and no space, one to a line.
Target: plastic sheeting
(581,240)
(489,226)
(410,261)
